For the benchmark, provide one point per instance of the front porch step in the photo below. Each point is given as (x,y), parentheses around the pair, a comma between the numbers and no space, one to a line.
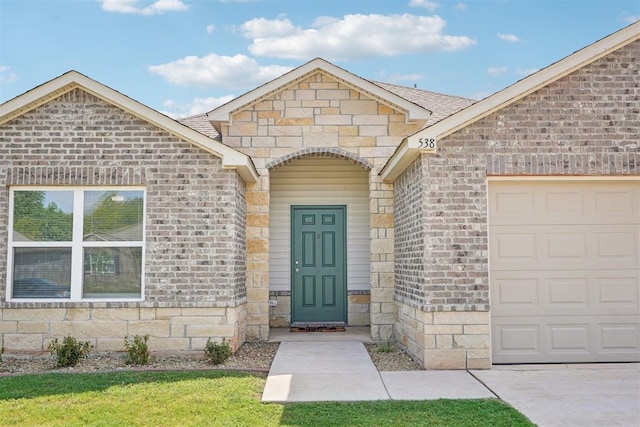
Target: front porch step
(318,327)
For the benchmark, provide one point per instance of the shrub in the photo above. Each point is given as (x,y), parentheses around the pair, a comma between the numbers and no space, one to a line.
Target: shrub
(137,350)
(69,351)
(1,351)
(385,347)
(217,352)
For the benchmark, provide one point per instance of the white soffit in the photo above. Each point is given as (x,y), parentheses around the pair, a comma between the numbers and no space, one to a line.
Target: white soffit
(231,159)
(409,149)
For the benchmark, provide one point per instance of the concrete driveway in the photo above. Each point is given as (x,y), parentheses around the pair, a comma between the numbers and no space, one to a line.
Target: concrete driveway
(569,395)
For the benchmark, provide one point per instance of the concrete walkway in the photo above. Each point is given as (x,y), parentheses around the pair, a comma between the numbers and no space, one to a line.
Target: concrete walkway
(339,369)
(343,371)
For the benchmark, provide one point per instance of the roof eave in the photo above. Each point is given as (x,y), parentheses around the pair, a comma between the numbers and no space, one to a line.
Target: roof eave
(231,159)
(400,160)
(403,157)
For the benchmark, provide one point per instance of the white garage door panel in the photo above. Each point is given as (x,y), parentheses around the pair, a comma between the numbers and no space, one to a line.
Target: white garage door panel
(565,271)
(552,202)
(575,292)
(566,339)
(565,247)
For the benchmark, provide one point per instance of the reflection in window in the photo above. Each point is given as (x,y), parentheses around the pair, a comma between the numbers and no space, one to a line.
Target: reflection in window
(42,216)
(112,272)
(41,272)
(98,237)
(113,215)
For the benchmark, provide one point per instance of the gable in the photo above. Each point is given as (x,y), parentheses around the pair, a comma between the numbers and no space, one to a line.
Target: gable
(307,73)
(410,148)
(72,80)
(317,112)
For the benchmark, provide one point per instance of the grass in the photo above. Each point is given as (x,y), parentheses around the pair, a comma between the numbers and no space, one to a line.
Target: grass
(213,398)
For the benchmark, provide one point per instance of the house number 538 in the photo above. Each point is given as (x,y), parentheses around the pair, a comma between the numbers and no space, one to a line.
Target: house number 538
(429,143)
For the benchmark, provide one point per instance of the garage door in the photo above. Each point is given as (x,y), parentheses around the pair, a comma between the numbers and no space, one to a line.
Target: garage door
(564,271)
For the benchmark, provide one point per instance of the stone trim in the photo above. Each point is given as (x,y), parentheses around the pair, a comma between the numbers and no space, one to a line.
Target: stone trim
(318,152)
(442,307)
(349,292)
(280,293)
(179,329)
(444,340)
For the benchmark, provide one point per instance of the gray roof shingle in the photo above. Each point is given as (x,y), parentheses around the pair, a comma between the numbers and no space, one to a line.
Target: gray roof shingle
(439,104)
(200,123)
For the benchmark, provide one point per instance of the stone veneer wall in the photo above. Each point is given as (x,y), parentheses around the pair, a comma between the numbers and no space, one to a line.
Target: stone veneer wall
(358,313)
(585,124)
(318,115)
(195,255)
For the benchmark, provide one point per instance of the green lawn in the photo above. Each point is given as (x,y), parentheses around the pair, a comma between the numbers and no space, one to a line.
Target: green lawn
(213,398)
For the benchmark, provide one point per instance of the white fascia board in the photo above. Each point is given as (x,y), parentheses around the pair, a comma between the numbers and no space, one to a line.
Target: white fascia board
(223,113)
(400,160)
(231,159)
(38,96)
(507,96)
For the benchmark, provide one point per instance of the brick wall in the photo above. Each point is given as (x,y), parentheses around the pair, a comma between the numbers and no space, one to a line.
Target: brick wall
(410,227)
(196,211)
(586,123)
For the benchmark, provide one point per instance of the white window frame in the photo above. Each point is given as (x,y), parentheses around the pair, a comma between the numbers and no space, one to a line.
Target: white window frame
(77,244)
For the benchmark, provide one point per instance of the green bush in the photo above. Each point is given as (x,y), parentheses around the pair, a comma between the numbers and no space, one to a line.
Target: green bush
(137,350)
(385,347)
(217,352)
(69,351)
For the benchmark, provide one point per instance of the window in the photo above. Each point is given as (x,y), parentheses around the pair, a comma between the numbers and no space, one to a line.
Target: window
(76,243)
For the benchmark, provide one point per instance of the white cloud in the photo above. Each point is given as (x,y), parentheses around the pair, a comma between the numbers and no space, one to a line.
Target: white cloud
(7,76)
(400,78)
(352,37)
(134,6)
(429,5)
(462,7)
(496,71)
(197,106)
(259,28)
(509,38)
(210,29)
(526,71)
(218,71)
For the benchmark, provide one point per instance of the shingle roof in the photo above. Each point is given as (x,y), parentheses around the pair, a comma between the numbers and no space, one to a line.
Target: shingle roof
(439,104)
(200,123)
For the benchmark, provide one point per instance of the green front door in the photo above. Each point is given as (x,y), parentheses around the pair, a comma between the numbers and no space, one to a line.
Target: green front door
(318,264)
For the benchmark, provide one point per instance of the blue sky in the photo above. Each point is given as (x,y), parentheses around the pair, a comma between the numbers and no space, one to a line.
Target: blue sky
(184,57)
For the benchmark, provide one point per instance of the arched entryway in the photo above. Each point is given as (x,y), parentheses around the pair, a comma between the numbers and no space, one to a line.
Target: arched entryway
(324,196)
